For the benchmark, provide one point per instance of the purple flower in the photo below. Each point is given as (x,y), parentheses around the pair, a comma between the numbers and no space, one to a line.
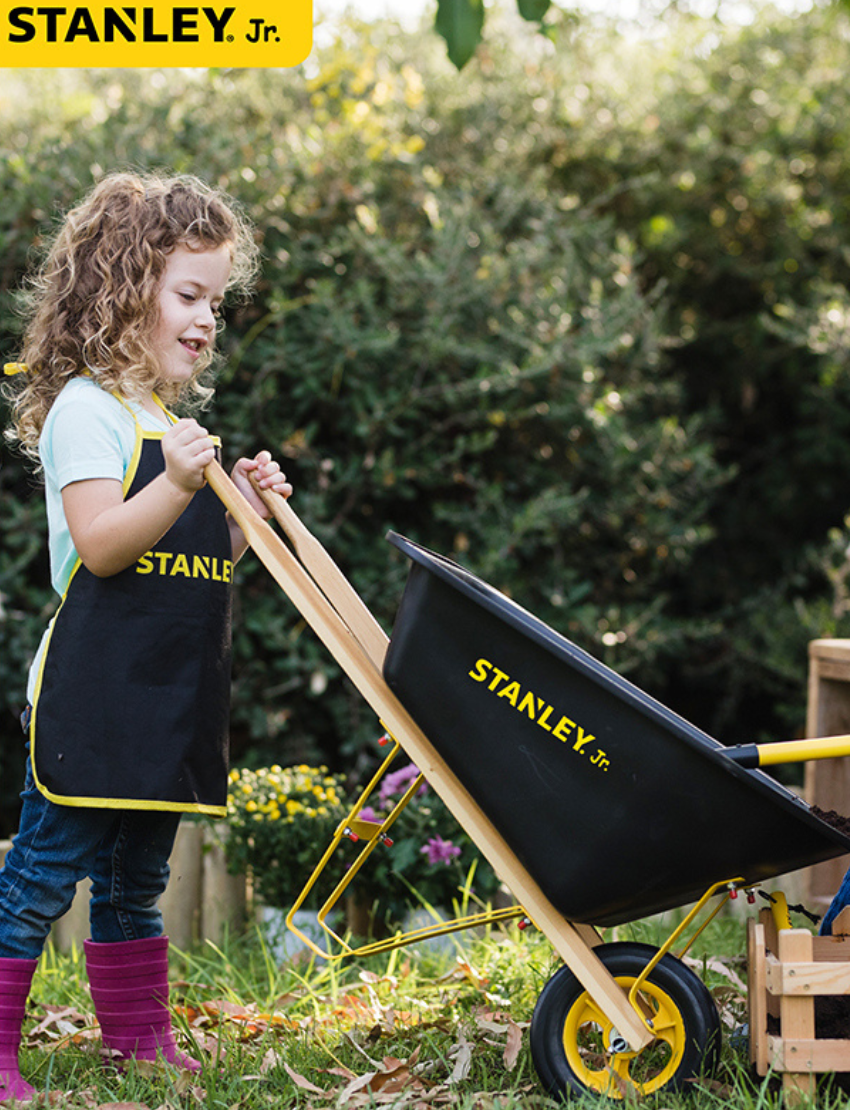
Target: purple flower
(398,782)
(369,814)
(440,851)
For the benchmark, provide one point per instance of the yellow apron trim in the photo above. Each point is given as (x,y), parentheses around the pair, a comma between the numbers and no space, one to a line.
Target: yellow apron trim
(129,803)
(168,414)
(134,459)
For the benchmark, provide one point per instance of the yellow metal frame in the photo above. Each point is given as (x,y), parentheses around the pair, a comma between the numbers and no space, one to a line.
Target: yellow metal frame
(730,886)
(375,833)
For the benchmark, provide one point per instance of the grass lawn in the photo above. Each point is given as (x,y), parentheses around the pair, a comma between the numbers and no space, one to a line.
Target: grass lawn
(413,1028)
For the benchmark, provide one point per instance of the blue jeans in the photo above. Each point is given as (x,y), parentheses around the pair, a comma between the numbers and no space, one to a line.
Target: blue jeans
(839,901)
(124,852)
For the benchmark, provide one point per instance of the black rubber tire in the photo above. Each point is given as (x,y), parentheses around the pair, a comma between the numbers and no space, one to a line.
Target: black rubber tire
(568,1032)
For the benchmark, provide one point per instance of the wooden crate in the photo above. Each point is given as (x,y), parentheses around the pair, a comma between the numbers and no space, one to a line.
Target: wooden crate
(788,969)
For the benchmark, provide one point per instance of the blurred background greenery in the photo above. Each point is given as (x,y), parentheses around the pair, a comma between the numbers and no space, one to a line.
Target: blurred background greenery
(576,316)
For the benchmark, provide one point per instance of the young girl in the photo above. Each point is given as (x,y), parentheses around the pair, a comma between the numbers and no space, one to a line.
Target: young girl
(129,692)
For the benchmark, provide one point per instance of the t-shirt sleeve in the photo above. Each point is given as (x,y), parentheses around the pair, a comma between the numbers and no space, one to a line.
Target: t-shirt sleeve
(85,441)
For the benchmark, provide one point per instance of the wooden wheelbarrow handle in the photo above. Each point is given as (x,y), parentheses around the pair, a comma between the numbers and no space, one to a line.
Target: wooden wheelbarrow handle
(313,556)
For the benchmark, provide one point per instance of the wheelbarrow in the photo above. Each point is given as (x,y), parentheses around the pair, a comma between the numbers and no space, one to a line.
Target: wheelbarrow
(594,804)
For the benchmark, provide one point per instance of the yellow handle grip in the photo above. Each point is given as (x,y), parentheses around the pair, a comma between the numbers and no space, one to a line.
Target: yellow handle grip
(790,751)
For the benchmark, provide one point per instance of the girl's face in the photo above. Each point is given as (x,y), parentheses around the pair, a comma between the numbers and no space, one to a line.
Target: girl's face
(190,294)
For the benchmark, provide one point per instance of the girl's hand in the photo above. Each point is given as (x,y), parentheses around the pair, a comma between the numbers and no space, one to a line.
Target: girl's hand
(267,473)
(188,449)
(111,533)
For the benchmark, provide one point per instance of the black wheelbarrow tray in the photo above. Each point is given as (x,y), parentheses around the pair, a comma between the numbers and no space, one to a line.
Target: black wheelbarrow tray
(594,803)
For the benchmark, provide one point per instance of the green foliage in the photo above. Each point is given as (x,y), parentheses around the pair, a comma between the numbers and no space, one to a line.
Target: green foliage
(461,24)
(25,604)
(728,170)
(575,319)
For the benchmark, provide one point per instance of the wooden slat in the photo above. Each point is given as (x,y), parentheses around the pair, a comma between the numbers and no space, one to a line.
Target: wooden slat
(835,669)
(771,943)
(757,996)
(797,1018)
(771,938)
(830,651)
(364,672)
(831,949)
(809,1055)
(810,979)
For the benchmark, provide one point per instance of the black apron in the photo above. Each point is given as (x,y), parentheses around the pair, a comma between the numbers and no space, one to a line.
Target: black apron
(132,700)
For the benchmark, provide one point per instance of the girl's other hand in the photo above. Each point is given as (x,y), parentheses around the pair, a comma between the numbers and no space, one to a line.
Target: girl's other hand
(188,449)
(266,473)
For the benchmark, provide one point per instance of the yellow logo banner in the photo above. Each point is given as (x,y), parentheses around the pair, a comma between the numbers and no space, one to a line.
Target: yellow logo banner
(231,33)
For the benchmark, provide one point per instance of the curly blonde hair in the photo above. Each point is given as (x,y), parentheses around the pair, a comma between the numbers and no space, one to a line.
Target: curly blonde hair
(92,306)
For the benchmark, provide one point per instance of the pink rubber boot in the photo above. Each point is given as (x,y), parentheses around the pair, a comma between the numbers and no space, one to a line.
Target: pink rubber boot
(129,987)
(15,979)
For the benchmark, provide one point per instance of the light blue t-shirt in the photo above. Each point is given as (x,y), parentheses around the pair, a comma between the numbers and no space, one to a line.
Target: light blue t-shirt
(88,433)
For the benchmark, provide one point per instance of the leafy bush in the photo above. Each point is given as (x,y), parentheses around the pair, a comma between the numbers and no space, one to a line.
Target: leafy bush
(728,169)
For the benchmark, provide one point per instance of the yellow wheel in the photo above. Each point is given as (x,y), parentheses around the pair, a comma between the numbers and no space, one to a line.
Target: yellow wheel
(575,1046)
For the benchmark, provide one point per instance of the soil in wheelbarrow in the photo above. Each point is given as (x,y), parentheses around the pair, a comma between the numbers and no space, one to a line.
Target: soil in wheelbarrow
(836,820)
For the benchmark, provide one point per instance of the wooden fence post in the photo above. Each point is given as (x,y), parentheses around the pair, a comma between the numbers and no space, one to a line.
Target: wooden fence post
(224,904)
(181,903)
(828,780)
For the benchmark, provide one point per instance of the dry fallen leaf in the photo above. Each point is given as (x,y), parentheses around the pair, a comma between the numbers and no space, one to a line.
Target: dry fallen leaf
(513,1045)
(356,1084)
(122,1106)
(462,1054)
(720,967)
(464,971)
(715,1086)
(301,1082)
(383,1084)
